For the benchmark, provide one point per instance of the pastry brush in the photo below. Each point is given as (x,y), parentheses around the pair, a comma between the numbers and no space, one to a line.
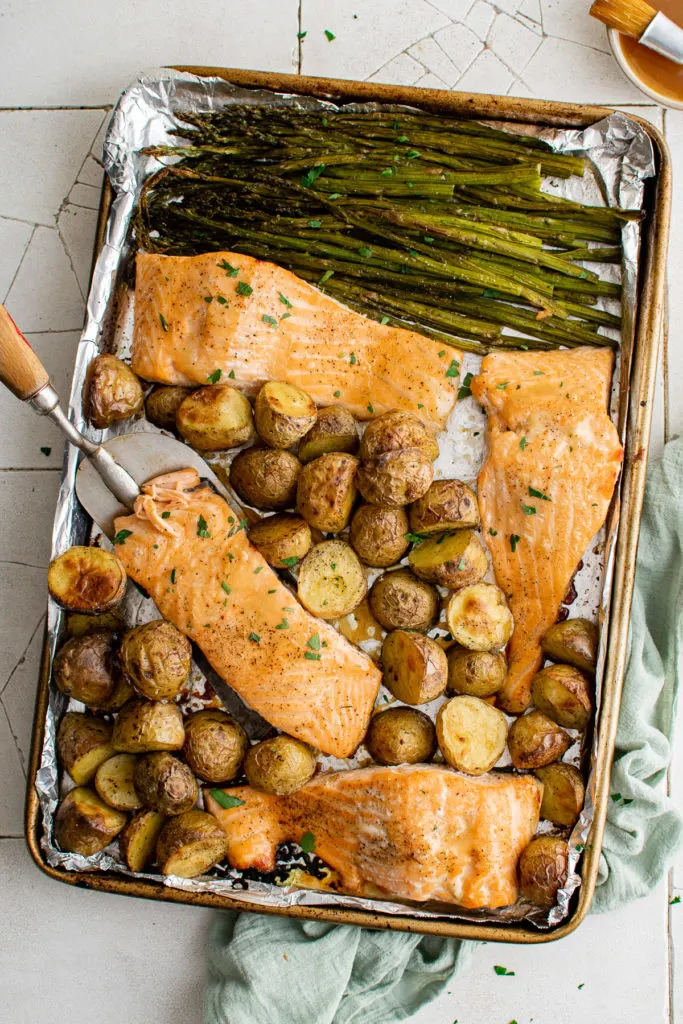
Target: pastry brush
(637,19)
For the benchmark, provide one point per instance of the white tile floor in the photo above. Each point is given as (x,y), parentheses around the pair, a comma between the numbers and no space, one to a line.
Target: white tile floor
(70,955)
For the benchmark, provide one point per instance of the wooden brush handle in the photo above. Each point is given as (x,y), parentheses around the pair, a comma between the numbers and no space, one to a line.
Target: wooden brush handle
(20,368)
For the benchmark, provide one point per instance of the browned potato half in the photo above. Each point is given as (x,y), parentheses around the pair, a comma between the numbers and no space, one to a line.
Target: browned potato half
(80,623)
(331,580)
(398,600)
(535,741)
(215,745)
(472,734)
(575,642)
(394,431)
(165,784)
(85,824)
(123,692)
(113,392)
(327,490)
(84,668)
(563,694)
(395,478)
(378,535)
(265,478)
(157,659)
(162,404)
(283,539)
(543,869)
(83,743)
(114,782)
(414,667)
(280,765)
(138,839)
(563,793)
(401,736)
(447,505)
(283,414)
(478,617)
(190,844)
(87,580)
(475,673)
(215,418)
(452,559)
(144,725)
(334,430)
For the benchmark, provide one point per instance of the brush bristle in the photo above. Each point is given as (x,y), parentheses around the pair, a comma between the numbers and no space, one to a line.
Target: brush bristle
(628,16)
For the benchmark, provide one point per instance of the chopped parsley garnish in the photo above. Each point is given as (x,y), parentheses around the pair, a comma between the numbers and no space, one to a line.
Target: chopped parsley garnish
(222,300)
(494,533)
(442,353)
(162,321)
(236,529)
(214,377)
(501,387)
(533,493)
(674,901)
(315,223)
(307,842)
(289,562)
(337,394)
(314,642)
(301,35)
(285,315)
(370,408)
(326,276)
(257,570)
(514,541)
(539,373)
(225,800)
(283,625)
(353,359)
(414,538)
(384,320)
(243,288)
(529,510)
(335,195)
(172,575)
(464,390)
(428,239)
(503,971)
(208,298)
(166,515)
(403,139)
(284,300)
(202,527)
(46,451)
(412,154)
(269,320)
(311,176)
(461,565)
(330,36)
(255,638)
(311,656)
(121,536)
(225,587)
(583,982)
(273,591)
(333,566)
(387,172)
(616,797)
(523,443)
(365,251)
(420,405)
(231,375)
(454,369)
(230,271)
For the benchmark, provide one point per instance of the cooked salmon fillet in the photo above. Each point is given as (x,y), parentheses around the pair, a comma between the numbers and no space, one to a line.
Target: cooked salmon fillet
(264,323)
(420,832)
(553,460)
(205,577)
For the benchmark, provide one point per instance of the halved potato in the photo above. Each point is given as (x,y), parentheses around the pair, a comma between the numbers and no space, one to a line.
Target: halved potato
(162,404)
(447,505)
(475,673)
(283,414)
(85,824)
(543,869)
(144,725)
(265,478)
(334,430)
(138,840)
(215,745)
(215,418)
(414,667)
(331,581)
(478,617)
(157,659)
(563,793)
(190,844)
(535,741)
(80,623)
(575,642)
(84,668)
(326,491)
(395,478)
(401,736)
(394,431)
(89,580)
(280,765)
(114,782)
(398,600)
(472,734)
(452,559)
(113,392)
(123,692)
(563,694)
(83,743)
(165,784)
(378,535)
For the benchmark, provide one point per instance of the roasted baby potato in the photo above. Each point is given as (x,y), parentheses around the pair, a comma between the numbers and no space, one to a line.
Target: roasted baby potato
(478,617)
(400,601)
(80,623)
(563,793)
(123,692)
(265,478)
(326,491)
(113,392)
(394,431)
(215,417)
(535,741)
(378,535)
(138,840)
(85,824)
(83,743)
(452,559)
(401,736)
(84,668)
(190,844)
(144,725)
(447,505)
(471,733)
(395,478)
(215,745)
(543,869)
(162,404)
(283,414)
(280,765)
(334,431)
(475,673)
(114,782)
(331,580)
(89,580)
(165,784)
(563,694)
(414,667)
(157,659)
(575,642)
(283,539)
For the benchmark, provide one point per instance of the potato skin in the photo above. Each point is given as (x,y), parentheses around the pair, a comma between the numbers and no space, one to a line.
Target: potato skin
(395,478)
(162,404)
(414,667)
(85,824)
(84,668)
(326,491)
(535,741)
(113,392)
(563,793)
(138,839)
(471,734)
(475,673)
(394,431)
(265,477)
(123,692)
(454,560)
(378,535)
(478,617)
(280,765)
(87,579)
(157,659)
(83,743)
(215,745)
(447,505)
(190,844)
(574,642)
(165,784)
(335,430)
(400,601)
(280,538)
(543,869)
(331,582)
(143,726)
(563,693)
(283,414)
(215,418)
(401,736)
(114,782)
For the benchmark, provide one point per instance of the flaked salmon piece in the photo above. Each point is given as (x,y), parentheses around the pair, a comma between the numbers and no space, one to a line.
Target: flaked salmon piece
(206,578)
(553,461)
(420,832)
(194,317)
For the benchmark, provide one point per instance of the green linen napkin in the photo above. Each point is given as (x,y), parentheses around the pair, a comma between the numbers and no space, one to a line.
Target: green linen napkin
(277,970)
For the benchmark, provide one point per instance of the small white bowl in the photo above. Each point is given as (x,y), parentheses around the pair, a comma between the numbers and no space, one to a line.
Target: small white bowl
(614,38)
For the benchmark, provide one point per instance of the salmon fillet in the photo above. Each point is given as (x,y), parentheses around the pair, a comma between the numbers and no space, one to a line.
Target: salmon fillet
(205,577)
(420,832)
(281,329)
(549,433)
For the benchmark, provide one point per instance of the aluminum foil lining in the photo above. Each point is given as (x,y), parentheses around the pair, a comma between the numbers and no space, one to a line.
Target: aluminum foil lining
(620,159)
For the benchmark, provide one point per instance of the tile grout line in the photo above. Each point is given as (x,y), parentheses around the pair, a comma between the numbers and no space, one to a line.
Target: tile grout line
(22,656)
(23,256)
(15,738)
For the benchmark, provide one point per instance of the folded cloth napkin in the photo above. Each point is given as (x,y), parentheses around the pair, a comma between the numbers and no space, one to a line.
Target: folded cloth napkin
(277,970)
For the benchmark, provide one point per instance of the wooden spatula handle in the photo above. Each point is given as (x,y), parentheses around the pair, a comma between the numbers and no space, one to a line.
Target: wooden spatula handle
(20,368)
